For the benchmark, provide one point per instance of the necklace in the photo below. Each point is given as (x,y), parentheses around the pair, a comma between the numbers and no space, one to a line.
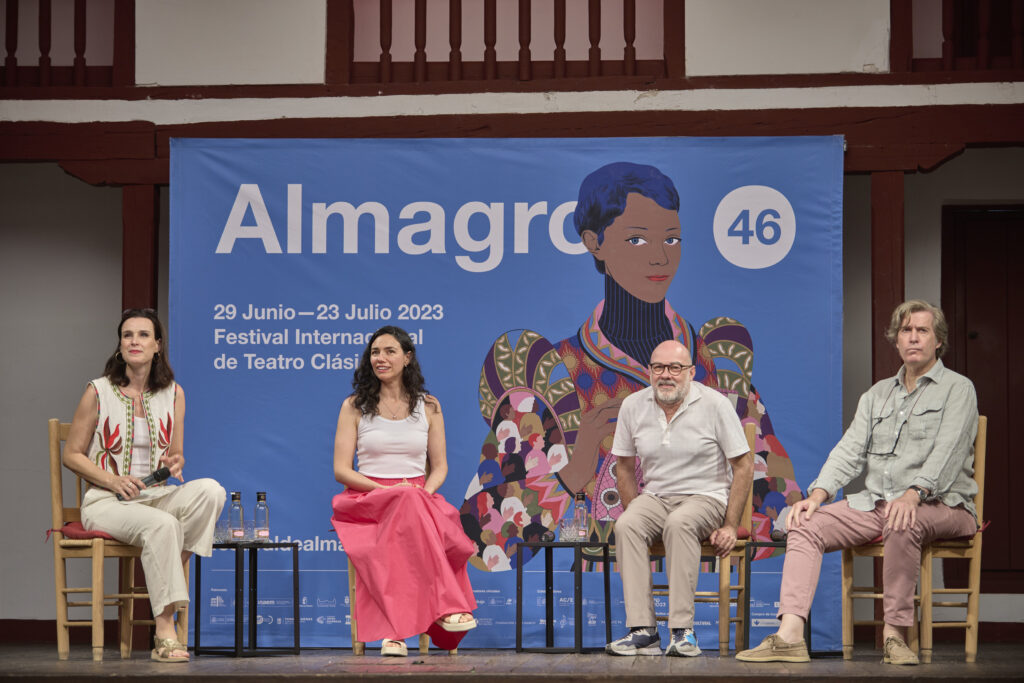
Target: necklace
(394,413)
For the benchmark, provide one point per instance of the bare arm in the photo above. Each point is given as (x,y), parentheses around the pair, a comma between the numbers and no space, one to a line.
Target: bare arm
(724,538)
(345,450)
(436,446)
(625,479)
(76,451)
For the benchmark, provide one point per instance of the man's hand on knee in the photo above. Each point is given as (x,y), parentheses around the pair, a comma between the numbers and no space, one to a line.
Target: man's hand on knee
(723,539)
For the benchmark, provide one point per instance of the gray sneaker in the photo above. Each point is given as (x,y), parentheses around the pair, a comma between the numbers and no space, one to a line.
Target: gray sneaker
(683,643)
(641,640)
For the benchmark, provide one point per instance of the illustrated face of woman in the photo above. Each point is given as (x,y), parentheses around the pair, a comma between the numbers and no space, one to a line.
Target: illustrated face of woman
(641,248)
(387,358)
(138,341)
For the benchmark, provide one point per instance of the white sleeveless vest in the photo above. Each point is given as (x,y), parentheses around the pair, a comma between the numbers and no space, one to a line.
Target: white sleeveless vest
(111,447)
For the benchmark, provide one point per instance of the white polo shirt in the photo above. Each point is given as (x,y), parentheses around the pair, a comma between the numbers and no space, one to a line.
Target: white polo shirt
(688,454)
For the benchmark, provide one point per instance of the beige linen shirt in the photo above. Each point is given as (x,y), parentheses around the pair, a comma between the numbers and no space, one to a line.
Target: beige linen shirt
(920,438)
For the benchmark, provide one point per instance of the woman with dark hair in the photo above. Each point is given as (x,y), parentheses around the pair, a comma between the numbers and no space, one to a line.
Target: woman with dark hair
(404,540)
(127,425)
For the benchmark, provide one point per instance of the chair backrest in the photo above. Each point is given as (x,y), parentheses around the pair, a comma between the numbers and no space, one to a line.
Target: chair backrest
(750,430)
(980,444)
(58,434)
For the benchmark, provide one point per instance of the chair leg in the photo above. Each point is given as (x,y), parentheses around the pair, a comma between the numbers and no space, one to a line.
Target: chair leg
(724,565)
(847,606)
(973,598)
(358,648)
(926,605)
(424,644)
(741,596)
(97,600)
(60,583)
(129,624)
(124,605)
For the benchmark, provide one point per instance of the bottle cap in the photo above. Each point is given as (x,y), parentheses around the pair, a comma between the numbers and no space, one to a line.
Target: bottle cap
(261,495)
(236,495)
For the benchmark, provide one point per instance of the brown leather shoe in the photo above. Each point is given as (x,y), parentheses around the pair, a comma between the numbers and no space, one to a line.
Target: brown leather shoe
(896,651)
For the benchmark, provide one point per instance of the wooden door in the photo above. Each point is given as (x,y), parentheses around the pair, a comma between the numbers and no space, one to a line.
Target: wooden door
(983,298)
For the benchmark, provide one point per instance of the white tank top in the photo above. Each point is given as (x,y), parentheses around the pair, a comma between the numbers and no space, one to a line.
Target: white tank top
(392,449)
(141,446)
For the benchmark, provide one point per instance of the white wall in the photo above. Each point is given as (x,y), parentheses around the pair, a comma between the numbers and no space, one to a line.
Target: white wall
(60,274)
(786,36)
(216,42)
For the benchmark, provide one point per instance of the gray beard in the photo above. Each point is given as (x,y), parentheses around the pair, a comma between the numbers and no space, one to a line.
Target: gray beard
(677,394)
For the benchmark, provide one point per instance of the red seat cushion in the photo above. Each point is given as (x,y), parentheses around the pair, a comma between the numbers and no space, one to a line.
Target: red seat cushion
(77,531)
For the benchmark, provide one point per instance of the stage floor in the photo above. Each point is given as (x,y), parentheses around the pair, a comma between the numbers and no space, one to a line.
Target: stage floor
(39,663)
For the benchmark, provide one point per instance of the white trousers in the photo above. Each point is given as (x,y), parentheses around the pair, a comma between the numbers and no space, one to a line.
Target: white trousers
(163,521)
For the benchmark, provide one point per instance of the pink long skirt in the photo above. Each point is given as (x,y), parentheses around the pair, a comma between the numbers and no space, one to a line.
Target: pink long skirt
(410,555)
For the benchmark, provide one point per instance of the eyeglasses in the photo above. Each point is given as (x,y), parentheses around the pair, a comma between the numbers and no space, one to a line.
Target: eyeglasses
(674,369)
(880,445)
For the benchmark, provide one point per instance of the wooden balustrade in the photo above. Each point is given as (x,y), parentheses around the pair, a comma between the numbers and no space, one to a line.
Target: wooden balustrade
(977,35)
(41,71)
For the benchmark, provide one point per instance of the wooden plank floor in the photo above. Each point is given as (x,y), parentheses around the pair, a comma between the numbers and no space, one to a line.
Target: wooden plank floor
(40,663)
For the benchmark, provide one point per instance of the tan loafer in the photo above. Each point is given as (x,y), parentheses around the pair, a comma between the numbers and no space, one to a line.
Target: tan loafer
(896,651)
(775,649)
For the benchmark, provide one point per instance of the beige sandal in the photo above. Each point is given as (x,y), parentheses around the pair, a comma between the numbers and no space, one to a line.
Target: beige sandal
(393,648)
(163,649)
(454,623)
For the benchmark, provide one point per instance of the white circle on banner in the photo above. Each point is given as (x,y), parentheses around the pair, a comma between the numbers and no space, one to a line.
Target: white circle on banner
(754,226)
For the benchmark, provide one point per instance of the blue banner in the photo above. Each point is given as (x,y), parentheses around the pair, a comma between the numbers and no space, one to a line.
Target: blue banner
(286,255)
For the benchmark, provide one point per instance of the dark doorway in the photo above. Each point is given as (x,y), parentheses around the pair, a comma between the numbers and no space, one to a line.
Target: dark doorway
(983,297)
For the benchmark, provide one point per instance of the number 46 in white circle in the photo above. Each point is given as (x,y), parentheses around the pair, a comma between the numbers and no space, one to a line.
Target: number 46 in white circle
(754,226)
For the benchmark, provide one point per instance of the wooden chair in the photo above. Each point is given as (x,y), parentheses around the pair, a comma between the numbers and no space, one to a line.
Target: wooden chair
(71,540)
(358,646)
(962,548)
(728,594)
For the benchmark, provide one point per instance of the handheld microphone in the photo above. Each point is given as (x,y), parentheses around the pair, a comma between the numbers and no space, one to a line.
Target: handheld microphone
(155,478)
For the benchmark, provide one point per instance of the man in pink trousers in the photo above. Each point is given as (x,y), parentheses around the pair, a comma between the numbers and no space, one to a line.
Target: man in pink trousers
(913,435)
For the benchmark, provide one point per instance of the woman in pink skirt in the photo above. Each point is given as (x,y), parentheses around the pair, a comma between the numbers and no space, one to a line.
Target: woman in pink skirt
(404,540)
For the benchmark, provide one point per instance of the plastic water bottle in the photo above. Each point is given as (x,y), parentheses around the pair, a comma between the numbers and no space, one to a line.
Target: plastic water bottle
(261,516)
(236,517)
(580,518)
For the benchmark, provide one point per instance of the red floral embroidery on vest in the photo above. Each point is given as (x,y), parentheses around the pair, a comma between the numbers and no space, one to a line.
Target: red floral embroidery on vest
(164,437)
(111,442)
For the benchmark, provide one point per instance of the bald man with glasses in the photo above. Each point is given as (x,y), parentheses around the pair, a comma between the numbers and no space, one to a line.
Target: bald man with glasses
(690,444)
(913,436)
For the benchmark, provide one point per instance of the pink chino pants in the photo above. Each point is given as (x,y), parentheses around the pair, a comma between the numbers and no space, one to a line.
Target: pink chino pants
(837,526)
